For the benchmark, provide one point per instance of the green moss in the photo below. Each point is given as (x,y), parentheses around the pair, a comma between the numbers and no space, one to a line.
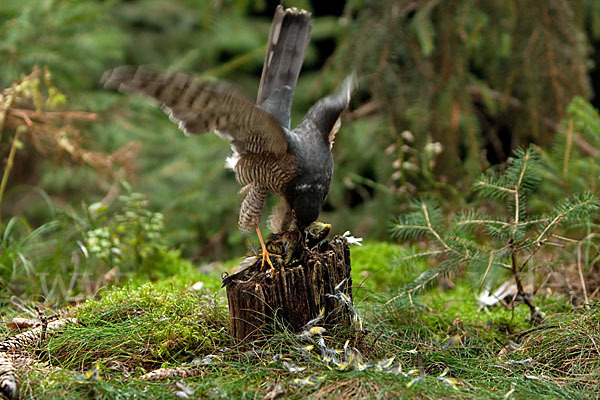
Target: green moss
(147,325)
(168,268)
(375,268)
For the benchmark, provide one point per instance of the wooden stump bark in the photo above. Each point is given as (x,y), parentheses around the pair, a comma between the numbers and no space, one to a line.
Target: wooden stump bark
(292,293)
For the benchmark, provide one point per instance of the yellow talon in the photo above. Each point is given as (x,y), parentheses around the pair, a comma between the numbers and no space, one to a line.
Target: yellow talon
(265,254)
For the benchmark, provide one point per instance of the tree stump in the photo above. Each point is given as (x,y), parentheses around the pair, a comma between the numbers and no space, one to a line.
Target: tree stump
(293,293)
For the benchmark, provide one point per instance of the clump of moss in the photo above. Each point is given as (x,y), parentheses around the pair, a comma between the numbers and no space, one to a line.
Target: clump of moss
(142,326)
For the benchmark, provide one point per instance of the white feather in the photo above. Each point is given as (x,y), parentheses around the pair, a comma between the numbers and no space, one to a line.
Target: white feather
(232,161)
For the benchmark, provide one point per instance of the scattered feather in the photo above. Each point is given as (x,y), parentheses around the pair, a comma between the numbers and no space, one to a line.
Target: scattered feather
(525,361)
(351,239)
(184,391)
(346,301)
(534,378)
(310,381)
(452,341)
(414,381)
(449,381)
(276,390)
(510,392)
(170,373)
(485,299)
(292,368)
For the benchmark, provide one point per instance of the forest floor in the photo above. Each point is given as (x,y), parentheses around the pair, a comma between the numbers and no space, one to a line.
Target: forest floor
(441,344)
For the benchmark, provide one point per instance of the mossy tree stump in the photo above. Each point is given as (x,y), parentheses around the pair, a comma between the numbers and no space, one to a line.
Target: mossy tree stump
(292,293)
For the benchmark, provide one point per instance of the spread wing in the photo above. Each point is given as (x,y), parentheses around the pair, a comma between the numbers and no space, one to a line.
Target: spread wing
(200,106)
(324,116)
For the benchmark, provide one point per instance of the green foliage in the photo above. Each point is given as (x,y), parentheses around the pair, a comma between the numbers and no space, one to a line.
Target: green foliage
(21,250)
(73,255)
(388,153)
(459,73)
(125,238)
(454,74)
(74,38)
(513,239)
(572,165)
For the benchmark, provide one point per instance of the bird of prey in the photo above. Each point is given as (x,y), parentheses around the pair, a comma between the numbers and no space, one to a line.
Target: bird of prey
(268,157)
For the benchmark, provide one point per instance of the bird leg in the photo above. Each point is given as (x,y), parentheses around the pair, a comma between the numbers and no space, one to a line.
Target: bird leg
(265,254)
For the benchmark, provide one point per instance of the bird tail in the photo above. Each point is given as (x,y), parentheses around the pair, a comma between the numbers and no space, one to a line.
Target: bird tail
(288,40)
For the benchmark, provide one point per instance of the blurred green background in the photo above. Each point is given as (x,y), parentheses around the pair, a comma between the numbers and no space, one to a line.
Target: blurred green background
(447,88)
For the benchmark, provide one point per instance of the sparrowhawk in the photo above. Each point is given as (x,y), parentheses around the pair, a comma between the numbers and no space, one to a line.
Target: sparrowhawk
(268,157)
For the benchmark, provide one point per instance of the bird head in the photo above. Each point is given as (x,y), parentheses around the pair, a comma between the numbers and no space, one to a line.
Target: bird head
(306,210)
(316,233)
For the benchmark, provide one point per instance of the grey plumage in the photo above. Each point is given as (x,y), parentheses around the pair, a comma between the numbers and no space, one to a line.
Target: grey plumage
(288,41)
(268,158)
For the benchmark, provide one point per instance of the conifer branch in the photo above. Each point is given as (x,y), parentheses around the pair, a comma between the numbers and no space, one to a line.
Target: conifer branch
(519,237)
(423,254)
(433,231)
(491,261)
(414,289)
(558,218)
(483,222)
(518,186)
(567,153)
(516,275)
(496,187)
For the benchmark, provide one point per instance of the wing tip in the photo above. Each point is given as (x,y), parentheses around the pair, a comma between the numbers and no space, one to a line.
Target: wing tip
(116,78)
(112,78)
(349,85)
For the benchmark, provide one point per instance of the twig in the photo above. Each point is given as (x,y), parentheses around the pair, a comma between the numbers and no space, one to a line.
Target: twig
(518,186)
(559,218)
(579,268)
(595,292)
(364,110)
(408,292)
(9,164)
(567,154)
(44,326)
(430,228)
(30,115)
(520,290)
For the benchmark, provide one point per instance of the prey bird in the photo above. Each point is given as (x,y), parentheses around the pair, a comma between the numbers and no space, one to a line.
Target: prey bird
(268,157)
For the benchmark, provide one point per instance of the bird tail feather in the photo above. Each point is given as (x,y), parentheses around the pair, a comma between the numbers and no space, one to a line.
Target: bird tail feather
(288,40)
